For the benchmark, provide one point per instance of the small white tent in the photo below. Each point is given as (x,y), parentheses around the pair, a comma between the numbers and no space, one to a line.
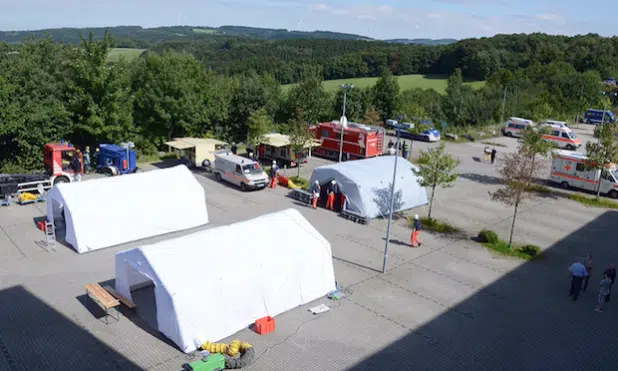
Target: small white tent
(210,284)
(110,211)
(366,184)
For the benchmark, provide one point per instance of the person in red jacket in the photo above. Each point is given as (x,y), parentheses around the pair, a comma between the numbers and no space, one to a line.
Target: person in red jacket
(274,173)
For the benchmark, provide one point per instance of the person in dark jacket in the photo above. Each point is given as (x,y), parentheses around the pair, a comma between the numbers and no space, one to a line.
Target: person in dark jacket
(315,193)
(76,166)
(416,229)
(493,155)
(611,273)
(234,148)
(274,173)
(332,190)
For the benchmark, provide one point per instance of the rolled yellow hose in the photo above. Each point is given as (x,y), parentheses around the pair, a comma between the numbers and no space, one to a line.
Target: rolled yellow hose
(232,349)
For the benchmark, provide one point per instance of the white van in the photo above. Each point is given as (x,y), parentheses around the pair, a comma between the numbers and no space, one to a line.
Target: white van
(241,171)
(562,137)
(515,125)
(569,170)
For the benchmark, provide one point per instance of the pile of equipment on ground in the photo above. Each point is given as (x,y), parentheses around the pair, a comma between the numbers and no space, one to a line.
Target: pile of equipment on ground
(220,356)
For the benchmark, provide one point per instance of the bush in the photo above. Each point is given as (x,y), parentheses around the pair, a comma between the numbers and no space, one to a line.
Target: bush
(301,182)
(436,225)
(531,250)
(487,236)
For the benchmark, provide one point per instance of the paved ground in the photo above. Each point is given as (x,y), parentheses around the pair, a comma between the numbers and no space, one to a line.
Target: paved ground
(450,305)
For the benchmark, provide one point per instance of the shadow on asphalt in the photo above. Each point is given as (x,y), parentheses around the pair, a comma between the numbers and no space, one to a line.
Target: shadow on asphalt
(34,336)
(525,320)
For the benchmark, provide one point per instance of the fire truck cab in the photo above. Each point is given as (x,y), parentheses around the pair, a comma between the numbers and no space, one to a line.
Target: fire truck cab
(57,158)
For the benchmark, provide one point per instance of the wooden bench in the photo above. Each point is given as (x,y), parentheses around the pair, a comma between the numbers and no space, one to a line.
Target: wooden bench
(103,298)
(128,303)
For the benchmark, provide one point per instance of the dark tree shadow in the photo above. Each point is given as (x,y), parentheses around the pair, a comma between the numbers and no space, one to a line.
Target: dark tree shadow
(34,336)
(528,325)
(382,199)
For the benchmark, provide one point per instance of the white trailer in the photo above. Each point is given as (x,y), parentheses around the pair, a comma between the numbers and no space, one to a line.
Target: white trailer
(569,170)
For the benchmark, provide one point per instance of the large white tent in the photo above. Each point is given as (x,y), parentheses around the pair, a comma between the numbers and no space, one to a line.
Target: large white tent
(366,184)
(110,211)
(210,284)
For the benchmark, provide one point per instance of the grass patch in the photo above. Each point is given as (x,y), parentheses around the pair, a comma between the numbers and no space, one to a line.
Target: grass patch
(128,54)
(476,132)
(494,144)
(436,225)
(593,202)
(437,83)
(299,181)
(204,31)
(490,240)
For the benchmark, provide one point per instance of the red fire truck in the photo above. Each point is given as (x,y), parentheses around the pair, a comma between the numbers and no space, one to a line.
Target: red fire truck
(359,141)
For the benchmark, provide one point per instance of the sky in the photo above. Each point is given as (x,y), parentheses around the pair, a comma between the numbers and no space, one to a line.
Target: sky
(380,19)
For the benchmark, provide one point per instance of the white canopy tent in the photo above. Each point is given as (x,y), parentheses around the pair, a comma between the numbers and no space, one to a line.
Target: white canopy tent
(366,184)
(110,211)
(213,283)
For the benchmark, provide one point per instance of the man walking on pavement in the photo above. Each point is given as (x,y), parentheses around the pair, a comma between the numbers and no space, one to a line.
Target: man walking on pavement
(414,241)
(611,273)
(76,166)
(274,173)
(315,192)
(234,148)
(87,160)
(332,189)
(589,265)
(577,272)
(493,155)
(604,290)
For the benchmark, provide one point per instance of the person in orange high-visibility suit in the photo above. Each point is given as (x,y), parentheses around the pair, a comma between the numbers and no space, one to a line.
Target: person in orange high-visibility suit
(414,241)
(274,173)
(332,190)
(315,194)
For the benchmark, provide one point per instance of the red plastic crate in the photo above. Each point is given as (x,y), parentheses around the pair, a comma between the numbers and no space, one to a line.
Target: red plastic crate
(41,225)
(265,325)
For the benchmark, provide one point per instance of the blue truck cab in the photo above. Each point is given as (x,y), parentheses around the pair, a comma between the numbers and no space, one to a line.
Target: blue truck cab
(116,160)
(594,116)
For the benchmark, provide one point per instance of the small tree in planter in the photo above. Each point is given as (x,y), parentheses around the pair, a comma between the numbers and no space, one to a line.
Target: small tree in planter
(517,171)
(436,168)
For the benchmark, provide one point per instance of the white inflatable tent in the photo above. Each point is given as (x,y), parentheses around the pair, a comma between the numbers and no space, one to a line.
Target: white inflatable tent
(211,284)
(110,211)
(366,184)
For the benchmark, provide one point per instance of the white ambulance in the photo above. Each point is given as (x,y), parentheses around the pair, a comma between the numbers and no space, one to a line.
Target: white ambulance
(515,126)
(240,171)
(569,170)
(562,136)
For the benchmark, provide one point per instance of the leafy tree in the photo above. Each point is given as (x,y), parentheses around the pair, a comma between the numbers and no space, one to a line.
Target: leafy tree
(517,171)
(311,98)
(457,95)
(171,97)
(436,168)
(603,152)
(356,104)
(534,145)
(372,117)
(386,95)
(100,99)
(259,124)
(300,135)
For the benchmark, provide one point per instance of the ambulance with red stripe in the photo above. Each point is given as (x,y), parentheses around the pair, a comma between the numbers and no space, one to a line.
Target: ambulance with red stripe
(569,170)
(515,126)
(562,137)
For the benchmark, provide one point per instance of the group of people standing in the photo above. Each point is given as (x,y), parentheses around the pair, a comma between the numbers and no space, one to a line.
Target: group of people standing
(580,273)
(331,191)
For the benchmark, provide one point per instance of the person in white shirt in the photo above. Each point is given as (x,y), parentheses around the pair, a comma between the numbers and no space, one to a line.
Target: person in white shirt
(577,272)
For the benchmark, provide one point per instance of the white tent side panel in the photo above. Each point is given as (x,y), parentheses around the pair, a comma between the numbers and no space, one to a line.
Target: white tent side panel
(214,283)
(110,211)
(366,184)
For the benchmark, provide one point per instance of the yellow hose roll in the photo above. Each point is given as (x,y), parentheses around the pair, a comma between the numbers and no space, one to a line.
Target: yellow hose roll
(215,347)
(244,346)
(26,196)
(233,348)
(291,184)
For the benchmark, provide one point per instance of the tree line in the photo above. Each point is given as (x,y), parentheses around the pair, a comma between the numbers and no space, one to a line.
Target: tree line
(51,91)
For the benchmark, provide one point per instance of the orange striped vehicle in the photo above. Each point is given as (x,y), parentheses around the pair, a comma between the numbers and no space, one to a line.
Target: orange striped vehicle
(572,169)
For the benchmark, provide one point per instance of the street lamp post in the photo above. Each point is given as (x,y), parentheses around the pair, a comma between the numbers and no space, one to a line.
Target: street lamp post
(604,110)
(345,88)
(390,210)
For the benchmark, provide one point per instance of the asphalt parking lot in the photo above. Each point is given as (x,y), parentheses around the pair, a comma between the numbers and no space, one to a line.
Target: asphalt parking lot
(449,305)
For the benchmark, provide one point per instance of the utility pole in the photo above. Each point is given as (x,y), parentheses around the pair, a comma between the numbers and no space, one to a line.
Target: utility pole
(579,108)
(503,107)
(343,120)
(390,212)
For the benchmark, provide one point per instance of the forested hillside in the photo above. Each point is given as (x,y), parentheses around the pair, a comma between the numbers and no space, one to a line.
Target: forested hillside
(227,86)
